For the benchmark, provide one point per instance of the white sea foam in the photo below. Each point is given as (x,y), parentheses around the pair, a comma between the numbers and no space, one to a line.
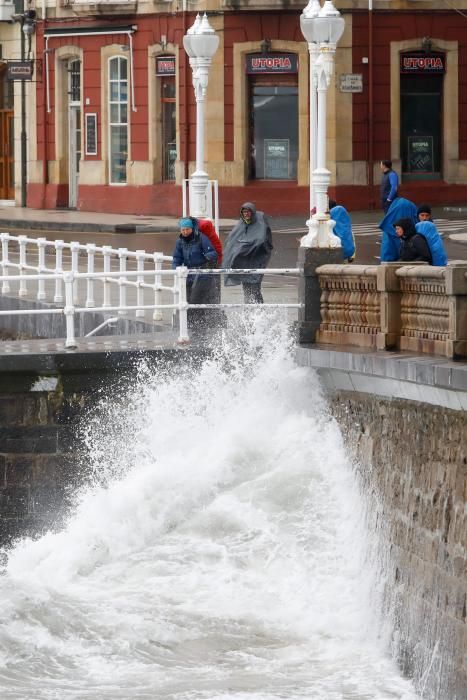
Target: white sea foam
(221,556)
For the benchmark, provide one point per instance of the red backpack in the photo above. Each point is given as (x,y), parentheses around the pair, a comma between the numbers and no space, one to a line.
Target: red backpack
(207,227)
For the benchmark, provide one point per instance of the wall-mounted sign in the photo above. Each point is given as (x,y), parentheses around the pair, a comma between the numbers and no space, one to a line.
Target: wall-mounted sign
(19,70)
(165,65)
(91,134)
(351,82)
(258,63)
(420,154)
(276,159)
(423,63)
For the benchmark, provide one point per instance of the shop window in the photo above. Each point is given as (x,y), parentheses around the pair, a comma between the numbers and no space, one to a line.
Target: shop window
(118,119)
(169,126)
(421,86)
(273,127)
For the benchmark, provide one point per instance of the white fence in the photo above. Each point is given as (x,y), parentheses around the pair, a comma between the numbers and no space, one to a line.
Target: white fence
(60,282)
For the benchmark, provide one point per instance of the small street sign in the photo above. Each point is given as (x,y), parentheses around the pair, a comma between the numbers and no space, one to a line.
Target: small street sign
(19,70)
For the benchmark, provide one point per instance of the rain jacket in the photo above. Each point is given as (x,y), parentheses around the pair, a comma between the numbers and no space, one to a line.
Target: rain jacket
(435,243)
(194,251)
(248,246)
(390,245)
(343,230)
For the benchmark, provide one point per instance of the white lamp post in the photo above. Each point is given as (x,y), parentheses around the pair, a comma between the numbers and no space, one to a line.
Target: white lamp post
(200,43)
(322,27)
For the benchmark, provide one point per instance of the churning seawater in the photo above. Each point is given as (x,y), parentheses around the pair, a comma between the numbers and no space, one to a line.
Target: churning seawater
(219,555)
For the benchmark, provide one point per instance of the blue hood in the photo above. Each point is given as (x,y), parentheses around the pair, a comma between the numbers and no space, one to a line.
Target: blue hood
(390,245)
(435,243)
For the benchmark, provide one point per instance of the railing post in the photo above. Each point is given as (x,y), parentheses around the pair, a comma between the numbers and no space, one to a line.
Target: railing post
(456,289)
(69,310)
(122,254)
(388,286)
(74,247)
(23,289)
(58,296)
(41,243)
(5,237)
(106,253)
(91,251)
(140,280)
(157,315)
(181,275)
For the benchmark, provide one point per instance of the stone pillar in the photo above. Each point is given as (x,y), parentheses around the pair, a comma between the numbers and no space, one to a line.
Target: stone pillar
(456,289)
(309,292)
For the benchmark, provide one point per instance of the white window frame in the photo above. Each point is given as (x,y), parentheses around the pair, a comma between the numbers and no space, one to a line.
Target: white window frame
(110,102)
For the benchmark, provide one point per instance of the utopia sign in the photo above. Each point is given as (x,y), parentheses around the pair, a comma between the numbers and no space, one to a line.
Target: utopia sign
(19,70)
(423,63)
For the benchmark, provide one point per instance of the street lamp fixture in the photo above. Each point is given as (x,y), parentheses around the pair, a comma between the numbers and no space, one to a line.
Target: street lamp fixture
(200,43)
(322,27)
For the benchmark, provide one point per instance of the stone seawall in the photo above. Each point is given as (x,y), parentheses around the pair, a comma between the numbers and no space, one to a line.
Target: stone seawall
(411,459)
(43,399)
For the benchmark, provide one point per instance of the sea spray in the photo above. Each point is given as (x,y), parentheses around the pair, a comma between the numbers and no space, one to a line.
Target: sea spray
(218,554)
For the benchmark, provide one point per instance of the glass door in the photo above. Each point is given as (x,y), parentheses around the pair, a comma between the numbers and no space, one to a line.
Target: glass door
(273,128)
(421,126)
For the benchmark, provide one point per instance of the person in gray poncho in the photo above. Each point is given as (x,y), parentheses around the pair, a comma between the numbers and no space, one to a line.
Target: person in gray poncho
(248,246)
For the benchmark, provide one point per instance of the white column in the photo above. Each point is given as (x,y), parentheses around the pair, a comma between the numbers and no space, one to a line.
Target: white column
(199,179)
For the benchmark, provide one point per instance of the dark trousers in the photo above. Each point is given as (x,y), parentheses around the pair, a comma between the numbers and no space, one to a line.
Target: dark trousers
(252,293)
(204,290)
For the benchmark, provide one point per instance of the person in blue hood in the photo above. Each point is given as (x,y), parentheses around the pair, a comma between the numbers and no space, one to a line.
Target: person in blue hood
(194,250)
(428,230)
(401,208)
(343,229)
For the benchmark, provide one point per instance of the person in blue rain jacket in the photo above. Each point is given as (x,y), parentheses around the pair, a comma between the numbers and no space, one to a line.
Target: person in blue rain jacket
(428,230)
(194,250)
(343,229)
(401,208)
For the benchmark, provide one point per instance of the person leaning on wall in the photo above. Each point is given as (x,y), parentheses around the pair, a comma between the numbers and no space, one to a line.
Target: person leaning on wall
(343,229)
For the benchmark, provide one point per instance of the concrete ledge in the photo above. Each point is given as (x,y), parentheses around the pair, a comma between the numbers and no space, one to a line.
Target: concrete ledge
(431,380)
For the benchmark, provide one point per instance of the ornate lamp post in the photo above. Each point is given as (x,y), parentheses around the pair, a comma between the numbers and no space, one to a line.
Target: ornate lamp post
(322,27)
(200,43)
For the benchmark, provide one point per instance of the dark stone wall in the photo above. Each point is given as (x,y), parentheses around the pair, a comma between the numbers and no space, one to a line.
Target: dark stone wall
(412,461)
(43,401)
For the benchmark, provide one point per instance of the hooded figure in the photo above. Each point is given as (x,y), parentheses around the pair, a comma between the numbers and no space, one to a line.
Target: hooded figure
(390,245)
(428,230)
(248,246)
(414,247)
(343,229)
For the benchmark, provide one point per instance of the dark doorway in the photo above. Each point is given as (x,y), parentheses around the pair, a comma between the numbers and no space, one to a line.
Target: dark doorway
(421,126)
(273,127)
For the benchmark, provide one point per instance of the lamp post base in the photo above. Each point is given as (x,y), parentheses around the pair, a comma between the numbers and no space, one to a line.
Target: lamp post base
(320,233)
(198,189)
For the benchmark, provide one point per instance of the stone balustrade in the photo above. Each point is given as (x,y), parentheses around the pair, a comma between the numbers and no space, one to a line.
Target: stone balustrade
(409,306)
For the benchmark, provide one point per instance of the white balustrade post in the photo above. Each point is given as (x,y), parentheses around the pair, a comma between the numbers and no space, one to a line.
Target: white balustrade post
(157,315)
(91,252)
(140,280)
(69,310)
(122,255)
(106,252)
(23,289)
(59,246)
(41,244)
(5,237)
(182,274)
(74,247)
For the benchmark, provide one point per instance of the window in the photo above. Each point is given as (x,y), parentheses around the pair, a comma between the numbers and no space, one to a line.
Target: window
(118,119)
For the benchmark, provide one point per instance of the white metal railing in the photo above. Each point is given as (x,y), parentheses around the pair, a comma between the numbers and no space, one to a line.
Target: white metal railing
(69,308)
(212,201)
(31,258)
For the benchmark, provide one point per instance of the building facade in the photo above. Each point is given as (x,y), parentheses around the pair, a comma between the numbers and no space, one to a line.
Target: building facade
(111,113)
